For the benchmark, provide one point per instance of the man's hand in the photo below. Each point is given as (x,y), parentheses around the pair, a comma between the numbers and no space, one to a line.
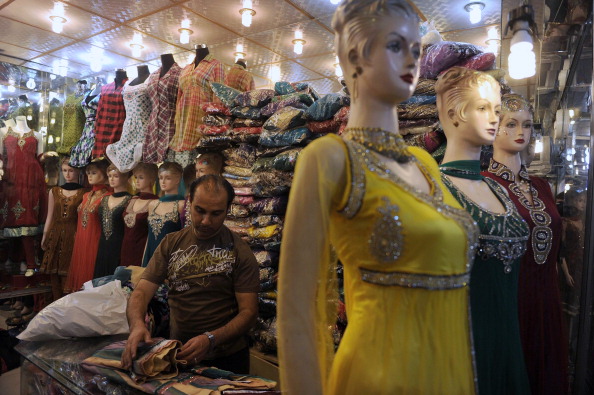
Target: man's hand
(195,349)
(137,335)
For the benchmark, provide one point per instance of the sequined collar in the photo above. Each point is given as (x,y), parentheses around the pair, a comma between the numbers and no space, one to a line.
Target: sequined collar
(380,141)
(20,135)
(504,172)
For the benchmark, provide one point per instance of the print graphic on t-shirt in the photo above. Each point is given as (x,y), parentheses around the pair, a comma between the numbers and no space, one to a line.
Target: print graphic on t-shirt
(195,265)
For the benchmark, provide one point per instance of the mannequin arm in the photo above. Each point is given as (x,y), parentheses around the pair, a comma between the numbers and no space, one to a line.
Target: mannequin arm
(319,178)
(39,138)
(48,219)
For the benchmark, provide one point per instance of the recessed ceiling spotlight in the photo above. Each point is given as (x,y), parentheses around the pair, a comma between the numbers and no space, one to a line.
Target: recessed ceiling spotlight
(475,11)
(247,12)
(185,32)
(58,17)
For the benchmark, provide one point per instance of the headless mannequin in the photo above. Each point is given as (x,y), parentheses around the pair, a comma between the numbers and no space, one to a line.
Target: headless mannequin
(201,52)
(21,127)
(242,63)
(120,78)
(81,88)
(143,74)
(166,62)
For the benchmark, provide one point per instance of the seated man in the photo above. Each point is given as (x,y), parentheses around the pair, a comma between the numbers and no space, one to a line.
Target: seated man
(213,279)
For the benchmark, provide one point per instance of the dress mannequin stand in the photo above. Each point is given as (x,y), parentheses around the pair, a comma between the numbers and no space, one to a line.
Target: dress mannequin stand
(143,74)
(201,52)
(166,62)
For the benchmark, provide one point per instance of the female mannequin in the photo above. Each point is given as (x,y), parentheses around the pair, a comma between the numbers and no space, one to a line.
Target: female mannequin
(164,213)
(88,229)
(539,302)
(111,114)
(80,155)
(136,215)
(60,227)
(376,201)
(23,196)
(111,212)
(469,104)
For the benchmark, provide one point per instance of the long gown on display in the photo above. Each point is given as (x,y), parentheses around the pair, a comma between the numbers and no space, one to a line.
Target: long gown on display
(494,294)
(60,238)
(539,301)
(74,123)
(110,118)
(126,153)
(80,155)
(407,304)
(112,234)
(23,201)
(194,90)
(161,225)
(160,129)
(88,231)
(136,230)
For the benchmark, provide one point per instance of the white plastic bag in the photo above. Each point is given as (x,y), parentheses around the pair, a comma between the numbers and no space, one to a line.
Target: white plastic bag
(94,312)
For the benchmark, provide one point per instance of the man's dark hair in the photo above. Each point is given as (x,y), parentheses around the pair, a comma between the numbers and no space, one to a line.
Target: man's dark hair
(213,181)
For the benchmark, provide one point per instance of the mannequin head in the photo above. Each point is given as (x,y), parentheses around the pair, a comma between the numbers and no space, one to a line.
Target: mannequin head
(81,86)
(515,128)
(170,175)
(70,174)
(575,201)
(117,180)
(97,172)
(378,44)
(469,105)
(209,163)
(145,175)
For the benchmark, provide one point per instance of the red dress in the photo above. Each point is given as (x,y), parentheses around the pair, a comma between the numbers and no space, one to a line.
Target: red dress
(135,230)
(539,303)
(88,231)
(23,203)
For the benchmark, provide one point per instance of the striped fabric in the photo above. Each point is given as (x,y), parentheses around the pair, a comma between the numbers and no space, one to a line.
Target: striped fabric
(110,118)
(240,79)
(194,90)
(161,125)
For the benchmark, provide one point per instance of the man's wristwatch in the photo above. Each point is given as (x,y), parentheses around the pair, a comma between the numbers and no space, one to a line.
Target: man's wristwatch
(211,341)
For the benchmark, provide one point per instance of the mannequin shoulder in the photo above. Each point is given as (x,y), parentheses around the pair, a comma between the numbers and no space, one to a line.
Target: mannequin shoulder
(330,149)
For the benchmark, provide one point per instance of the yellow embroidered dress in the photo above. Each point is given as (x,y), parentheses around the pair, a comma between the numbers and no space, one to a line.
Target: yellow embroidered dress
(407,257)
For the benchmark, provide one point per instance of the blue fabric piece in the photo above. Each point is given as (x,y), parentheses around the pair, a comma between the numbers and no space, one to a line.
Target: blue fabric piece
(326,107)
(284,138)
(420,100)
(283,88)
(121,273)
(225,93)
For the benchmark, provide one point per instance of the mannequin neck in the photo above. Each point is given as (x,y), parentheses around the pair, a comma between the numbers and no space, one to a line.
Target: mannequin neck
(143,74)
(120,188)
(461,149)
(511,160)
(166,62)
(369,112)
(146,190)
(120,78)
(21,126)
(200,54)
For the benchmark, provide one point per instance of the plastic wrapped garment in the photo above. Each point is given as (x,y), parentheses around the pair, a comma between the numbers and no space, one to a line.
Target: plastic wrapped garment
(256,98)
(482,61)
(429,141)
(283,88)
(238,222)
(411,123)
(253,130)
(262,152)
(425,87)
(285,161)
(285,118)
(302,97)
(216,120)
(328,126)
(235,177)
(290,137)
(239,138)
(225,93)
(243,200)
(238,183)
(216,109)
(217,142)
(273,107)
(246,112)
(439,152)
(242,232)
(271,183)
(242,156)
(444,55)
(435,126)
(342,116)
(265,338)
(266,274)
(247,123)
(274,205)
(304,87)
(238,211)
(415,111)
(267,308)
(420,99)
(207,130)
(326,107)
(244,191)
(267,190)
(265,232)
(238,171)
(266,258)
(265,220)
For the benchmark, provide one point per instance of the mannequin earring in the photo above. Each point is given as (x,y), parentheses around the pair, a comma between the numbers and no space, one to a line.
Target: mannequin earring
(456,124)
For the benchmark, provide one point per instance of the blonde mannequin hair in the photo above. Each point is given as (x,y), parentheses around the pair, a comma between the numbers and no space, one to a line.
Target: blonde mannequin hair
(453,89)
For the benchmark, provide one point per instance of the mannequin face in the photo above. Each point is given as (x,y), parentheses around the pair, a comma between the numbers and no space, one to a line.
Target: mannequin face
(70,173)
(580,203)
(142,182)
(514,132)
(391,72)
(116,179)
(480,119)
(168,181)
(95,176)
(203,168)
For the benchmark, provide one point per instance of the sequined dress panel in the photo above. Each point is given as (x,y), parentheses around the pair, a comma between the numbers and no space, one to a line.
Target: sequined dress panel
(158,227)
(136,230)
(494,294)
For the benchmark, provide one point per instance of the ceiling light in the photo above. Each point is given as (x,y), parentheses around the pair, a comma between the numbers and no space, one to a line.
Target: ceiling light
(298,42)
(493,41)
(31,83)
(239,54)
(337,68)
(136,45)
(57,17)
(334,1)
(275,73)
(185,32)
(97,59)
(475,11)
(247,13)
(522,60)
(571,113)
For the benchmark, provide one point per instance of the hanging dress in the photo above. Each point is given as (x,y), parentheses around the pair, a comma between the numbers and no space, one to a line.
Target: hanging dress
(126,153)
(74,123)
(136,230)
(88,231)
(23,201)
(161,225)
(494,294)
(539,300)
(80,155)
(60,238)
(407,304)
(111,115)
(112,234)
